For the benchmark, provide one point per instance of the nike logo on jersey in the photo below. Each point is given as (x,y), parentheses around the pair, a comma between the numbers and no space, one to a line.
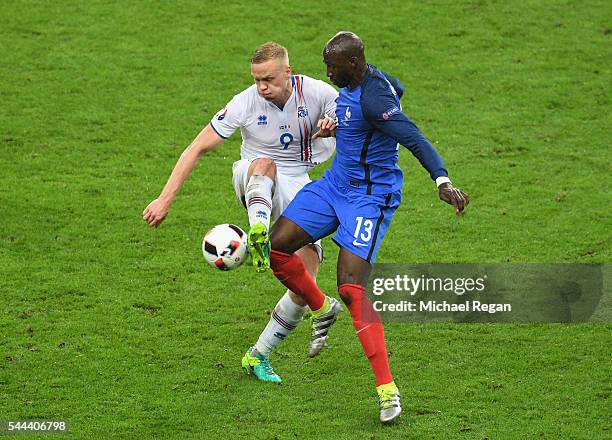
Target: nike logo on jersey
(356,243)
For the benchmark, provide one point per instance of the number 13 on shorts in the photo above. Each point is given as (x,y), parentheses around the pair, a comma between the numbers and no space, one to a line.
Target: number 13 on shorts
(368,224)
(363,231)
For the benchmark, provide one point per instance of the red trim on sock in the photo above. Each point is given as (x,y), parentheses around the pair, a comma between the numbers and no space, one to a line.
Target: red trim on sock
(290,270)
(369,330)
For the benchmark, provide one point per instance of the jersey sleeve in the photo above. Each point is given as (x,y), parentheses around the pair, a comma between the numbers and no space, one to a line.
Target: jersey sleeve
(397,85)
(329,98)
(382,110)
(227,120)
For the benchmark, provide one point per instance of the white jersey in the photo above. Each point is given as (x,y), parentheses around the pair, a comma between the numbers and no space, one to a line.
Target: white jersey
(284,136)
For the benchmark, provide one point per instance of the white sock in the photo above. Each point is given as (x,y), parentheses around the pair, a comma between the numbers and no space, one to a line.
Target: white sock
(285,317)
(258,197)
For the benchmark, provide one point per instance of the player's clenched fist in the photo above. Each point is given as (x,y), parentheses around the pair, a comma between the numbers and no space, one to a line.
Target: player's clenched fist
(327,128)
(454,196)
(155,213)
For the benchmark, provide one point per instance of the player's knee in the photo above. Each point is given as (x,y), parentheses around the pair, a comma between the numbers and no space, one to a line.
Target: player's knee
(349,277)
(352,269)
(286,237)
(263,166)
(280,241)
(352,274)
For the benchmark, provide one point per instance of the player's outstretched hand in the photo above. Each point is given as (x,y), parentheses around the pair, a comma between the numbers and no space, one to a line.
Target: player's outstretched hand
(156,212)
(327,128)
(453,196)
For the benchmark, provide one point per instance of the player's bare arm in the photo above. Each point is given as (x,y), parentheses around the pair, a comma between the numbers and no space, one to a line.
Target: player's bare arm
(207,140)
(453,196)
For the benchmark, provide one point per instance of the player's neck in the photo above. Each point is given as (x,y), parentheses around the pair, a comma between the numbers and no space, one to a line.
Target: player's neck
(358,78)
(284,97)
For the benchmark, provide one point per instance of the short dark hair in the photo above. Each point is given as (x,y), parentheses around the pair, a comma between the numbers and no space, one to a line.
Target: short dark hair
(345,42)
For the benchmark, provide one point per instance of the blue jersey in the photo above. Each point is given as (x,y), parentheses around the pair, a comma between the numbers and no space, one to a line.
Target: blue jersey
(371,125)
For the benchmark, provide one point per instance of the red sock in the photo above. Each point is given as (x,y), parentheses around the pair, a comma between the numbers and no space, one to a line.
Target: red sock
(290,271)
(369,330)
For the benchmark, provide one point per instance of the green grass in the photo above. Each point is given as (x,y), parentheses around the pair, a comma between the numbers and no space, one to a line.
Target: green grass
(122,330)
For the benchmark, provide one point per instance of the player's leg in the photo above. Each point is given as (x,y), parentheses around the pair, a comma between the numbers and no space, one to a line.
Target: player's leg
(289,268)
(254,183)
(286,237)
(287,314)
(310,216)
(321,322)
(360,234)
(353,272)
(290,309)
(259,191)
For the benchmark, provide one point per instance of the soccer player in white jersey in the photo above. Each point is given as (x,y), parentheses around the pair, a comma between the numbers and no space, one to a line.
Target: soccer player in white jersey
(283,121)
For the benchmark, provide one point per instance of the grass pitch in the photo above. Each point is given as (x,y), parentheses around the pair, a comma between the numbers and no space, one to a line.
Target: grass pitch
(124,332)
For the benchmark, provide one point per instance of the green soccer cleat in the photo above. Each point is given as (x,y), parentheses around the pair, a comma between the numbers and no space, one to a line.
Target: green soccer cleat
(259,366)
(389,401)
(259,247)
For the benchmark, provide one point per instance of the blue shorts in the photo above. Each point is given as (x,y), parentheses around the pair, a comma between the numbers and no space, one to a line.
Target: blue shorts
(361,220)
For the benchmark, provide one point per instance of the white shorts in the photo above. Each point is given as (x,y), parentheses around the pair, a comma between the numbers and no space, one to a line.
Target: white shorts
(287,185)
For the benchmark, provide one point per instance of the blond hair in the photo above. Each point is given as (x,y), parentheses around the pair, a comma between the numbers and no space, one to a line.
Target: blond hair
(270,51)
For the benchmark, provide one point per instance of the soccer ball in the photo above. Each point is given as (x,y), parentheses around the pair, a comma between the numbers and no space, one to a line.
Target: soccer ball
(225,247)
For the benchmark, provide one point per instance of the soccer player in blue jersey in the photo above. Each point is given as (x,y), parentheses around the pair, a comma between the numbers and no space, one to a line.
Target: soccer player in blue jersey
(356,198)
